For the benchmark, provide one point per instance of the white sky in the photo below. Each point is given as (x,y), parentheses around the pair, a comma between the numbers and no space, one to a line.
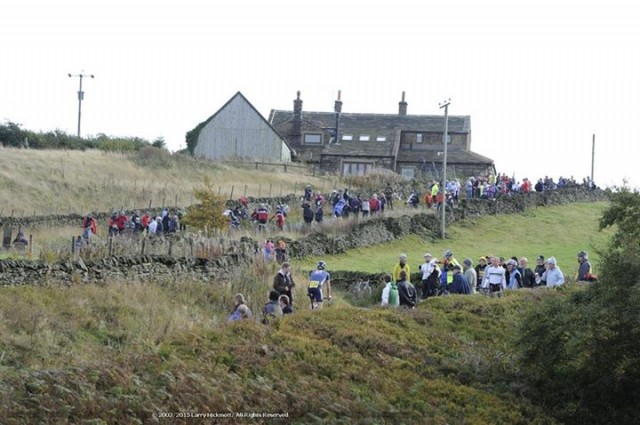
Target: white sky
(538,78)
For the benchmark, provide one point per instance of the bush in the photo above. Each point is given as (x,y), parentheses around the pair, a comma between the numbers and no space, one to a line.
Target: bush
(580,348)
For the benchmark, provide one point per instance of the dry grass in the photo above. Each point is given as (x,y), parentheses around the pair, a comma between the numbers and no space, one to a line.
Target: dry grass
(49,181)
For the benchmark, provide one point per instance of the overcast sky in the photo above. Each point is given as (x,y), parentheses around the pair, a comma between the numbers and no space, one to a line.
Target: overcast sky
(538,78)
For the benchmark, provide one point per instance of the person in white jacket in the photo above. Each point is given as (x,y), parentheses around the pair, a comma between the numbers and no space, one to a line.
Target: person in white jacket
(494,277)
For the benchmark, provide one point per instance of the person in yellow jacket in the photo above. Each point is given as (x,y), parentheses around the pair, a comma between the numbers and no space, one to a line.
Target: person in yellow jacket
(402,265)
(448,262)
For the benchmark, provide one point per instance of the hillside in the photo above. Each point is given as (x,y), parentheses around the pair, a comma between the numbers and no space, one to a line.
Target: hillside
(125,353)
(48,181)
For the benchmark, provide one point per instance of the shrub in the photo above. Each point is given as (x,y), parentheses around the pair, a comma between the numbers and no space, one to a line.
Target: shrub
(580,349)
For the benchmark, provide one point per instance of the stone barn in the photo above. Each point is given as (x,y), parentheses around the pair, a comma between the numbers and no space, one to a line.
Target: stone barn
(239,132)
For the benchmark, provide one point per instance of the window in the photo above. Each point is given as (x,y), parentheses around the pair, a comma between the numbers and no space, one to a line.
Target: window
(347,137)
(381,139)
(408,172)
(355,168)
(365,138)
(419,138)
(313,138)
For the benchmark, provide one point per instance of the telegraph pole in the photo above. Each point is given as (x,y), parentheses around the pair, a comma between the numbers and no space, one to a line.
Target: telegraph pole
(593,155)
(80,96)
(444,105)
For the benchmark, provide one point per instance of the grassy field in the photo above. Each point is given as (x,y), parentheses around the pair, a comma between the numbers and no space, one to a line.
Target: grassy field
(46,182)
(560,231)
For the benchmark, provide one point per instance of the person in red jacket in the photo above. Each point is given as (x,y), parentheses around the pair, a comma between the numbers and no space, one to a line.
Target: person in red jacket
(89,227)
(374,204)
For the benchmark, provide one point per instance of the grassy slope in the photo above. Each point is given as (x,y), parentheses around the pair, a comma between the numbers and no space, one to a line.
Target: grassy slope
(123,351)
(559,231)
(47,181)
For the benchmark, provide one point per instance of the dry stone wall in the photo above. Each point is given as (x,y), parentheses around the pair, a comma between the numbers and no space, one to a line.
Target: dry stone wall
(366,233)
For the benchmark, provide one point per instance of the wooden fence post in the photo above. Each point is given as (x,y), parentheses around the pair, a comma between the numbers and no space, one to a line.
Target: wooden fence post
(73,245)
(270,185)
(144,241)
(30,246)
(231,194)
(110,245)
(245,190)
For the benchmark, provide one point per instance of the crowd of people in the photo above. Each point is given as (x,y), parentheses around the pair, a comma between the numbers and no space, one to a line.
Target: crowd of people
(491,276)
(281,294)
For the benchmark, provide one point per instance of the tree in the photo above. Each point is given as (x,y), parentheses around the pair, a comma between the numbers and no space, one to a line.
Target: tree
(159,143)
(207,215)
(192,137)
(580,352)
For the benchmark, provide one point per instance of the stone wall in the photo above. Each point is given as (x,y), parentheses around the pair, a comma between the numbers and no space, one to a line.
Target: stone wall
(76,219)
(366,233)
(138,268)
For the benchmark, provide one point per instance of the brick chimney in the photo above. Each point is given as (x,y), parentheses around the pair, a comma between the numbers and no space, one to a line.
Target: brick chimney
(402,106)
(297,116)
(338,105)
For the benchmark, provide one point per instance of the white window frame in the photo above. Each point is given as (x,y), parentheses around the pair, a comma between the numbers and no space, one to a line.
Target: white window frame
(354,168)
(347,137)
(306,142)
(381,139)
(419,138)
(364,138)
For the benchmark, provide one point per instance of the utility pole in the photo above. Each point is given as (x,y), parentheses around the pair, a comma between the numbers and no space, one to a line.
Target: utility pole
(593,155)
(80,96)
(444,105)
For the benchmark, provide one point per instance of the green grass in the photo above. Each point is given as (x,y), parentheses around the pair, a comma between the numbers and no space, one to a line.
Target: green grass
(559,231)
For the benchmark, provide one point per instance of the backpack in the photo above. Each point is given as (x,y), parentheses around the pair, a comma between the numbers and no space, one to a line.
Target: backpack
(394,296)
(263,216)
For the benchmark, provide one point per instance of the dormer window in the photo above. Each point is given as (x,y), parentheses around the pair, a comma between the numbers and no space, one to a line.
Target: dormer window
(365,138)
(381,139)
(347,137)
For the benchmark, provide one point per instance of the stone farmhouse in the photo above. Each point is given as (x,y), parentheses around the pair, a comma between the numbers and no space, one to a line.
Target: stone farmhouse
(407,144)
(410,145)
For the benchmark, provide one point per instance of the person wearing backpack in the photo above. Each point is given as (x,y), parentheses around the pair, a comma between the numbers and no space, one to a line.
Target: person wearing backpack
(394,295)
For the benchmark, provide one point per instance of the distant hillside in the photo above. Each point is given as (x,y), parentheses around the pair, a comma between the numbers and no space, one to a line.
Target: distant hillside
(44,181)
